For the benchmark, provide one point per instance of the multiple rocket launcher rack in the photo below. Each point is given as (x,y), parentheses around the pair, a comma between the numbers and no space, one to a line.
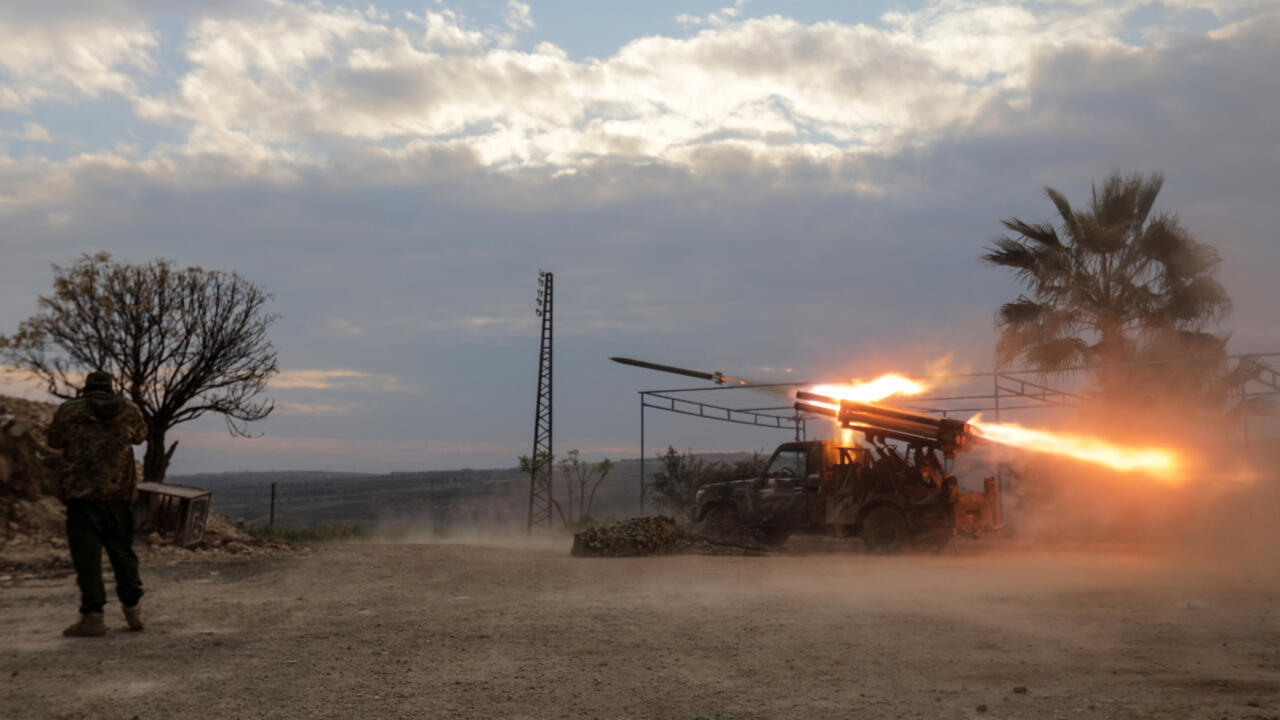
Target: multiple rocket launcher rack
(946,435)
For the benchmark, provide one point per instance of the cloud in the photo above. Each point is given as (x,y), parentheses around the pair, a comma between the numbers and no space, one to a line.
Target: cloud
(31,132)
(291,408)
(519,16)
(343,327)
(715,19)
(71,58)
(285,83)
(334,380)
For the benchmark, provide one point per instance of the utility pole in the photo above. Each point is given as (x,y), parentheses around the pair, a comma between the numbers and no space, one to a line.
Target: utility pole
(540,472)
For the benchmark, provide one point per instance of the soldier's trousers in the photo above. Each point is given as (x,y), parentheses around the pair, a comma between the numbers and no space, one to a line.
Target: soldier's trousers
(94,526)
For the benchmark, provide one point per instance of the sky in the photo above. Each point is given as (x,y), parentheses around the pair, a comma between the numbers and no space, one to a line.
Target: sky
(747,188)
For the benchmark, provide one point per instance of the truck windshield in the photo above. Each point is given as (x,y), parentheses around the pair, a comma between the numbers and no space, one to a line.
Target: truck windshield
(788,463)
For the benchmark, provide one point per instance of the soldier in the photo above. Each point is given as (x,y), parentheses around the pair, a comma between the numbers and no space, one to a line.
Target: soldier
(98,483)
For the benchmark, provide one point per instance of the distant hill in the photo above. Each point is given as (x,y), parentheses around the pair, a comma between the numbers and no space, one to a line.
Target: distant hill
(210,481)
(496,496)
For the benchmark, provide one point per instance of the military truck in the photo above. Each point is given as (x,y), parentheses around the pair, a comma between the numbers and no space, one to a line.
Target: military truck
(893,497)
(820,487)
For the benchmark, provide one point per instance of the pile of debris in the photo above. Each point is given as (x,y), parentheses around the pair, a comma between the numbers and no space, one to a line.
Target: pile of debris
(638,536)
(658,535)
(221,534)
(22,448)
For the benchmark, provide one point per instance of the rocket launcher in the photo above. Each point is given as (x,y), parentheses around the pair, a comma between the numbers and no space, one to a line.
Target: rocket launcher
(876,422)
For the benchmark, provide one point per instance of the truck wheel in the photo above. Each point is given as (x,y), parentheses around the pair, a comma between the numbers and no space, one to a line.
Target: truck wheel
(934,541)
(884,531)
(722,521)
(773,535)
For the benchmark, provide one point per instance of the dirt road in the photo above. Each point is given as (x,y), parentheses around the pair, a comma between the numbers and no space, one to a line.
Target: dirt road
(425,631)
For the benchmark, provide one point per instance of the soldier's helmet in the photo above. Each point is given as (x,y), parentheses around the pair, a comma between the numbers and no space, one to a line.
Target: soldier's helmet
(97,380)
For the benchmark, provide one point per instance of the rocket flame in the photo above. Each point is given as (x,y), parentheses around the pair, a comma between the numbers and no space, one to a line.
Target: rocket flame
(1159,463)
(882,387)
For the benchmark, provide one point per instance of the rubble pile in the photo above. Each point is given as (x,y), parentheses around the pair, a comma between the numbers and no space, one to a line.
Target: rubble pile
(221,534)
(22,448)
(658,535)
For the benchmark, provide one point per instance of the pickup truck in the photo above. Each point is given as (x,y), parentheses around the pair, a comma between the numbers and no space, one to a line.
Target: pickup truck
(890,501)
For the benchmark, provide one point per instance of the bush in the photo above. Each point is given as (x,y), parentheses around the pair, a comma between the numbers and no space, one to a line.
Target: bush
(674,488)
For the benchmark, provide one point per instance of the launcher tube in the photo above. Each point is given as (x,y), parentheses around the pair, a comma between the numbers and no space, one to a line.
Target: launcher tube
(946,434)
(893,413)
(866,419)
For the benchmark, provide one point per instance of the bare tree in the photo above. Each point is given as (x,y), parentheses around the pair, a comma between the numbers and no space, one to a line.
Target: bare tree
(182,343)
(585,475)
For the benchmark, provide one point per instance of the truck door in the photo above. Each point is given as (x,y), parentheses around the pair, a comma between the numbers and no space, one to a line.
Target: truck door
(845,486)
(789,485)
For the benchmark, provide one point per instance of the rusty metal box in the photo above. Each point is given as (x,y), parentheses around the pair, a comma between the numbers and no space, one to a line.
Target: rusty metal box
(178,511)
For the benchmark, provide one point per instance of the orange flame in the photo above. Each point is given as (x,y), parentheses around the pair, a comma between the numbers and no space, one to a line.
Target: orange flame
(1157,462)
(887,385)
(882,387)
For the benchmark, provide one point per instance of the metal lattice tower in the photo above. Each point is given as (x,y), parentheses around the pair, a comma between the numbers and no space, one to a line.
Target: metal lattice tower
(540,502)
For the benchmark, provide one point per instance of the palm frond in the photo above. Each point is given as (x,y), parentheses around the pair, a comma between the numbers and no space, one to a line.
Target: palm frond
(1007,252)
(1022,311)
(1145,199)
(1099,237)
(1114,206)
(1042,233)
(1162,239)
(1192,302)
(1069,220)
(1058,354)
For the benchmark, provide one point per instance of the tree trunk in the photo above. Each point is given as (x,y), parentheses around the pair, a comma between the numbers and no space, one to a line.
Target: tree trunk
(155,462)
(1112,379)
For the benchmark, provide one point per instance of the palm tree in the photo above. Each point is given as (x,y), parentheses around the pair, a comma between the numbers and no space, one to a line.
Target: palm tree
(1112,283)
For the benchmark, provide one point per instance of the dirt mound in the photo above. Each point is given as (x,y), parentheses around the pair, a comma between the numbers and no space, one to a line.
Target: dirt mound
(23,451)
(221,534)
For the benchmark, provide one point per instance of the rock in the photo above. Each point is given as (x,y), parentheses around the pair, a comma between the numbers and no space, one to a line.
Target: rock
(1021,689)
(982,708)
(17,429)
(155,538)
(235,546)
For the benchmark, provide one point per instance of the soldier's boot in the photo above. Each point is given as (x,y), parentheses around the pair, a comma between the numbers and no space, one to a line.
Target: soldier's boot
(133,616)
(89,625)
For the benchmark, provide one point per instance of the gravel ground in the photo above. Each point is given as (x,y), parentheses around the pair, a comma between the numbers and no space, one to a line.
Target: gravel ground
(504,630)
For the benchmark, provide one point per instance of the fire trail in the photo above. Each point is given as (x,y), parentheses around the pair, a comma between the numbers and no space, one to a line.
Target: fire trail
(950,436)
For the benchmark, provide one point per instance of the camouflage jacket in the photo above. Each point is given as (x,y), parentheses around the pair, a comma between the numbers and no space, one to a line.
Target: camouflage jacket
(94,433)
